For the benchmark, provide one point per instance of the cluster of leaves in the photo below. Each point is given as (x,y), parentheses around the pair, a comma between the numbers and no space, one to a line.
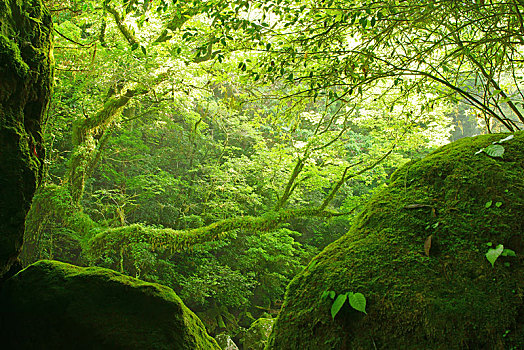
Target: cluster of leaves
(356,300)
(494,253)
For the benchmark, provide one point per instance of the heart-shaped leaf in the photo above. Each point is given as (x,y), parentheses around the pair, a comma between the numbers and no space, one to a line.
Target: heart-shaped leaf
(357,301)
(493,254)
(508,252)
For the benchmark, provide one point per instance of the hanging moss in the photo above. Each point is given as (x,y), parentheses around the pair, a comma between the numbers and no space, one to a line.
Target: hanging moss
(451,299)
(89,135)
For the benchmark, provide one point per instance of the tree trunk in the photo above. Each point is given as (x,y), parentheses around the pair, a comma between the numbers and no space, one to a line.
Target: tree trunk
(88,136)
(25,87)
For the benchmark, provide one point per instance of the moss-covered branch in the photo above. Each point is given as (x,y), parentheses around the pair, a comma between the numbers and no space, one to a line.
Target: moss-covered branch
(126,32)
(168,241)
(174,24)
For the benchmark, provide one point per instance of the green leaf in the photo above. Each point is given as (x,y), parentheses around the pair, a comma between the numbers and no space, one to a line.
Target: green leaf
(494,151)
(498,204)
(221,321)
(332,294)
(337,304)
(357,301)
(324,295)
(508,252)
(493,254)
(488,204)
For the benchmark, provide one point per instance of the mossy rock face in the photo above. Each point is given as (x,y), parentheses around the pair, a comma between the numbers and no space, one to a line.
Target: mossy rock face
(25,86)
(53,305)
(451,299)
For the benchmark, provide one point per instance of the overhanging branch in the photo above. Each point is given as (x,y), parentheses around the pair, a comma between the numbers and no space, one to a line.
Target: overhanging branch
(166,242)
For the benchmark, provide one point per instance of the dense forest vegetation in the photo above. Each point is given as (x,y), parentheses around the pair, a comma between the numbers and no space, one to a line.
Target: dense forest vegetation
(216,147)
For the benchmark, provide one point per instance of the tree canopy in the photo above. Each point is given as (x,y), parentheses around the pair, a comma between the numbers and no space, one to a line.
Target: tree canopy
(216,146)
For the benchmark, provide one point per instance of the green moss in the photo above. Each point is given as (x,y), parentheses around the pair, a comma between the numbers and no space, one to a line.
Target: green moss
(10,57)
(167,241)
(451,299)
(52,305)
(55,228)
(25,87)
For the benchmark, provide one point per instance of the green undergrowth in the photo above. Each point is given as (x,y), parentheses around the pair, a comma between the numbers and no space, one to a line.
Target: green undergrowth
(417,253)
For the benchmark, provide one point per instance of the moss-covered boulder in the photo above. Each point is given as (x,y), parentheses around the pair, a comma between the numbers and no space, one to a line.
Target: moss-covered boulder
(25,87)
(417,253)
(225,342)
(255,338)
(53,305)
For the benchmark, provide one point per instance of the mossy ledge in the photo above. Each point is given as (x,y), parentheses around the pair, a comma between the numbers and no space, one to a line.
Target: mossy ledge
(451,299)
(53,305)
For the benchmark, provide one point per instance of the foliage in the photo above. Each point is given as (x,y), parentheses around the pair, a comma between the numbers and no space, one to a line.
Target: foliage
(215,146)
(342,49)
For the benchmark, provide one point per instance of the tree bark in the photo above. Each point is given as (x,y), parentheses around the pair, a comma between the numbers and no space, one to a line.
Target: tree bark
(25,86)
